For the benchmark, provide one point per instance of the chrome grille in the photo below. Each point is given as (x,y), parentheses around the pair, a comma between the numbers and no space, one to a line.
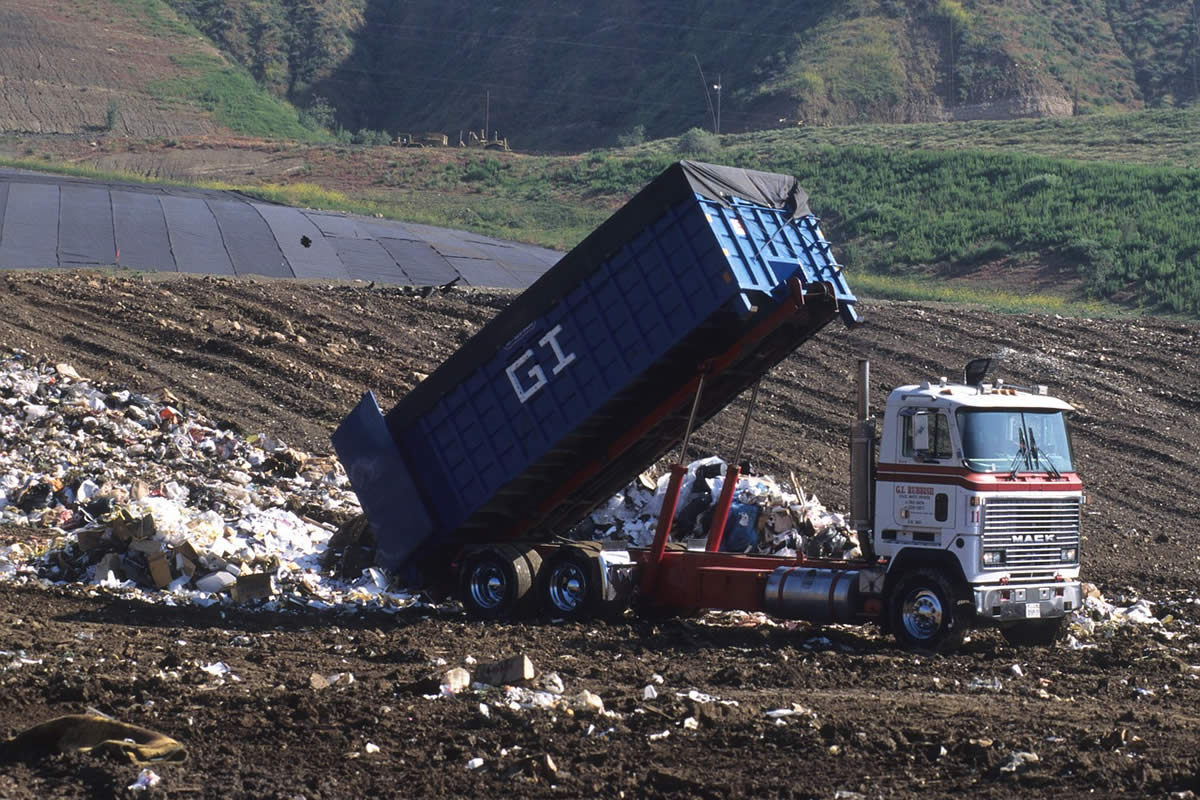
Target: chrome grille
(1032,532)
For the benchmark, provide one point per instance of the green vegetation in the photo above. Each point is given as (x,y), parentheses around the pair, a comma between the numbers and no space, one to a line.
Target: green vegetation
(112,115)
(233,98)
(931,290)
(697,142)
(1142,137)
(578,80)
(1124,233)
(156,18)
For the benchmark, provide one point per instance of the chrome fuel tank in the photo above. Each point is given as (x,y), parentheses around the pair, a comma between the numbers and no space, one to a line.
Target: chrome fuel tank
(816,595)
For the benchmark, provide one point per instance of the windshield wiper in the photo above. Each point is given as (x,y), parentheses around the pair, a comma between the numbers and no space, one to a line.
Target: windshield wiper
(1021,456)
(1037,460)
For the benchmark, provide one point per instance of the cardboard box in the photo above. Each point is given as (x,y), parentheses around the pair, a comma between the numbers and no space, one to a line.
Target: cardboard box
(510,670)
(160,569)
(256,586)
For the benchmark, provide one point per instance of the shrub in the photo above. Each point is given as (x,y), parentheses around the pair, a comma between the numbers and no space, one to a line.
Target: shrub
(697,141)
(112,115)
(633,137)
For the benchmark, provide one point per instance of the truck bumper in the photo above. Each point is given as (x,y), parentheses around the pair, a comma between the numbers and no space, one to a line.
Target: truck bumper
(1011,602)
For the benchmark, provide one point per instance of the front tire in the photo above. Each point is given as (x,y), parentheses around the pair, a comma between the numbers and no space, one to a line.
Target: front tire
(923,613)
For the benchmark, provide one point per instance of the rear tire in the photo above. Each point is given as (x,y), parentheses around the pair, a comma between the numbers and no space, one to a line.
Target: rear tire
(924,614)
(1035,633)
(495,583)
(569,584)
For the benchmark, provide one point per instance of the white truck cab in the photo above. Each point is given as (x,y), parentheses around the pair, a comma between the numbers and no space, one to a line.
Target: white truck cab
(976,513)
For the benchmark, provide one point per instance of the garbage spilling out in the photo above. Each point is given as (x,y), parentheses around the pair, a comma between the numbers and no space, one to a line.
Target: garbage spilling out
(137,494)
(764,517)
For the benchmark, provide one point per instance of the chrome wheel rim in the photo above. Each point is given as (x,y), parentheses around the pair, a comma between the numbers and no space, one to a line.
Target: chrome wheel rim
(488,585)
(568,587)
(922,614)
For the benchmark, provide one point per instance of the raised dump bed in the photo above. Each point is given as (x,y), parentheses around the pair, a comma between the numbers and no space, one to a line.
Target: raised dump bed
(588,377)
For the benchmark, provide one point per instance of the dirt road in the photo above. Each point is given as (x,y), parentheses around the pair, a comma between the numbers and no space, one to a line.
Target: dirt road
(851,714)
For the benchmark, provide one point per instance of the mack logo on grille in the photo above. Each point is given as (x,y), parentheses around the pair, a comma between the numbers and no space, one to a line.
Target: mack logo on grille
(1031,538)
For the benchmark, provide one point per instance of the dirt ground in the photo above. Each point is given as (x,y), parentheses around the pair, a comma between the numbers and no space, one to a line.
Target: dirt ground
(1117,718)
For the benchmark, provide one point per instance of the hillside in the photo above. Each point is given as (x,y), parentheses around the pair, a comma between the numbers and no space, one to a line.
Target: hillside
(130,68)
(552,78)
(555,79)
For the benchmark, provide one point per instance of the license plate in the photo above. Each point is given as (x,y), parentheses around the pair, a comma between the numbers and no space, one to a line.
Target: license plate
(1033,610)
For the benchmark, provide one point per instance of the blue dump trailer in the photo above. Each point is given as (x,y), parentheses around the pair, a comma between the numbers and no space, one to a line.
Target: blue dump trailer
(705,279)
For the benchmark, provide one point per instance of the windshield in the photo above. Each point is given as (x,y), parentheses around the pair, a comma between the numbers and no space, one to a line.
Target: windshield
(1012,440)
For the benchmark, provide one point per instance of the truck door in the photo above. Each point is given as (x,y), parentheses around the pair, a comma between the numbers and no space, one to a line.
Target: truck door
(924,501)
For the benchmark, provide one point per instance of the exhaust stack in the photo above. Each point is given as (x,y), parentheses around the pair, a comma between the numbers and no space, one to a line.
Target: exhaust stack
(862,464)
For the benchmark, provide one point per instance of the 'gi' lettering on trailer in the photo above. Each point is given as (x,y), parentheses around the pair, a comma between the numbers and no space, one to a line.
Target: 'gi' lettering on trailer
(536,372)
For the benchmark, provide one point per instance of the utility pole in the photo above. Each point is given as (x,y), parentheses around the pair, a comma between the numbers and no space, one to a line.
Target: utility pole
(487,110)
(717,86)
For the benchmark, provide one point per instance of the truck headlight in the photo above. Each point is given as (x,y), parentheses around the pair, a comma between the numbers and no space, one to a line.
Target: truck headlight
(1069,555)
(993,558)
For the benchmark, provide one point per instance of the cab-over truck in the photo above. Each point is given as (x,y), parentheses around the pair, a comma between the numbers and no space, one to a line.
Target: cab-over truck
(966,501)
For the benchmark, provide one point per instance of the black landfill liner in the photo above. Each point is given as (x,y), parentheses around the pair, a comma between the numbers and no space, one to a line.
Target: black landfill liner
(367,259)
(479,272)
(308,253)
(337,226)
(30,234)
(141,231)
(85,236)
(194,235)
(249,241)
(420,262)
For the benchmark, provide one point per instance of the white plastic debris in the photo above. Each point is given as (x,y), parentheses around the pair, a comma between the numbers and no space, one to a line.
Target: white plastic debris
(371,747)
(1019,760)
(147,779)
(649,693)
(552,682)
(588,701)
(475,763)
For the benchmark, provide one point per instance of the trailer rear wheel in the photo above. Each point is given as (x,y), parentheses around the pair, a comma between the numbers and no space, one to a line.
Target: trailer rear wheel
(1035,633)
(923,612)
(569,584)
(495,583)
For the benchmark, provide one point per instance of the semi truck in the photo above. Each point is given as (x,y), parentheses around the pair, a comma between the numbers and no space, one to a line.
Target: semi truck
(965,498)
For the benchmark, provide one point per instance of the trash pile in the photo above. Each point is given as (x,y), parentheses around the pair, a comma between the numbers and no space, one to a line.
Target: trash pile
(1101,618)
(132,492)
(763,518)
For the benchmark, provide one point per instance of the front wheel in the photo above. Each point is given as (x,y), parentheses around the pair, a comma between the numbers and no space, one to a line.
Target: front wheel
(1035,633)
(923,613)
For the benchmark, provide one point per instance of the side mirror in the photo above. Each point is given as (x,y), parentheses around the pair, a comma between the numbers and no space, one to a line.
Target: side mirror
(921,431)
(975,370)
